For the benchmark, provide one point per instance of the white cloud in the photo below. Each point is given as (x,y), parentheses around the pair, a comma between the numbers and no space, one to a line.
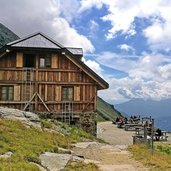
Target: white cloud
(94,66)
(93,27)
(123,14)
(87,4)
(149,76)
(165,71)
(158,36)
(126,47)
(117,61)
(48,16)
(69,8)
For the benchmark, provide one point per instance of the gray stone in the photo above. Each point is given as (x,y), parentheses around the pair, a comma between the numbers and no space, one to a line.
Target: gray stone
(28,118)
(32,117)
(6,155)
(54,161)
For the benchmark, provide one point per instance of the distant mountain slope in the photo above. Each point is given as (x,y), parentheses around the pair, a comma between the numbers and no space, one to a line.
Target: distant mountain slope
(146,107)
(6,35)
(106,111)
(159,110)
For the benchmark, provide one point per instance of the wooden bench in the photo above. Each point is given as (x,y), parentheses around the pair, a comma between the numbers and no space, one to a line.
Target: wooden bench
(131,127)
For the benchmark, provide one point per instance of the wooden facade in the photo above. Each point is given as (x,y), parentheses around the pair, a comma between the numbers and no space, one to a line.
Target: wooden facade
(43,77)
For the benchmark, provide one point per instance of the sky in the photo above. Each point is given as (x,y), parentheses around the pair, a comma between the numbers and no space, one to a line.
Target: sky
(127,42)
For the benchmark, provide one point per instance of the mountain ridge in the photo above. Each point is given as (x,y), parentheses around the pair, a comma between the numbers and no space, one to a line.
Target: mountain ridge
(6,35)
(106,111)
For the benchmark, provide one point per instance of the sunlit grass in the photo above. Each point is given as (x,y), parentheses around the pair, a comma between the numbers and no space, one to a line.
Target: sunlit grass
(159,161)
(27,144)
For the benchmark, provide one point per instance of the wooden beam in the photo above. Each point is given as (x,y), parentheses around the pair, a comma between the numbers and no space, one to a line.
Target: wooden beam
(43,70)
(44,82)
(29,101)
(36,81)
(36,94)
(43,102)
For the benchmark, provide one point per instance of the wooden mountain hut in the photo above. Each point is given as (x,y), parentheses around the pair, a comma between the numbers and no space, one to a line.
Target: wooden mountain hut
(40,75)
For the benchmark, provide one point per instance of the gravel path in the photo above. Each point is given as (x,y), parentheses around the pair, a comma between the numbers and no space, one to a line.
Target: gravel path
(113,135)
(113,157)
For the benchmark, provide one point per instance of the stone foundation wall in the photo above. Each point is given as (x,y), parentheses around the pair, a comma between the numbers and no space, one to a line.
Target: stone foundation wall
(88,123)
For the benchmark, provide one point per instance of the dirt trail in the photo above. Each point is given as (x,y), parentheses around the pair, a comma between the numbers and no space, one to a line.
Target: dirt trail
(113,135)
(112,157)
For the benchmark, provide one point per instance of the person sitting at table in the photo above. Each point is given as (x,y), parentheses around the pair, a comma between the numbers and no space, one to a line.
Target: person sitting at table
(117,120)
(158,134)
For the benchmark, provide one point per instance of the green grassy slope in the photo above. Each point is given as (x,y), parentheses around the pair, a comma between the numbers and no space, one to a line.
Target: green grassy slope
(27,143)
(6,35)
(106,111)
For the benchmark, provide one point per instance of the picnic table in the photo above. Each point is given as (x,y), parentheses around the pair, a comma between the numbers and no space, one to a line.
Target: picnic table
(132,126)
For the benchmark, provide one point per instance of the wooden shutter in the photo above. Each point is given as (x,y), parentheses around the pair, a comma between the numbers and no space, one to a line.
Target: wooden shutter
(58,93)
(19,59)
(16,93)
(54,61)
(76,93)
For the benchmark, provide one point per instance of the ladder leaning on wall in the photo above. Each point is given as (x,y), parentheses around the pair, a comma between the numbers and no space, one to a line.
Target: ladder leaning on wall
(27,87)
(67,112)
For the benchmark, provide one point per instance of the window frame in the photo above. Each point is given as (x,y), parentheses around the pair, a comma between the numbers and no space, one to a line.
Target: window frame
(68,93)
(46,62)
(9,96)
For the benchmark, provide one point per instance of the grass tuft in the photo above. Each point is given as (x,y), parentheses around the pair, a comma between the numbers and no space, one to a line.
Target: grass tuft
(159,161)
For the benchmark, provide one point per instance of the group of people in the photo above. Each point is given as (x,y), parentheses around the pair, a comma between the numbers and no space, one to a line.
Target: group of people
(134,119)
(120,121)
(125,120)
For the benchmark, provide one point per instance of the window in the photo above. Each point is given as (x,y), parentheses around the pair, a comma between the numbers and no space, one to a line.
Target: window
(45,61)
(42,62)
(29,60)
(6,93)
(67,93)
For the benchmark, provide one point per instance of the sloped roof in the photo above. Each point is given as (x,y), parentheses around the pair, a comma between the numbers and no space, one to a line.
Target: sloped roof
(39,40)
(76,51)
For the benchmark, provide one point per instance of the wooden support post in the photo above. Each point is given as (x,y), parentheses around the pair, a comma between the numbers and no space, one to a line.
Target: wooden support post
(152,137)
(36,82)
(95,98)
(145,131)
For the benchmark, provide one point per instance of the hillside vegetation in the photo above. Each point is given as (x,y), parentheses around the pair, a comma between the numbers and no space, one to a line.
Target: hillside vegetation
(27,142)
(6,35)
(159,161)
(106,111)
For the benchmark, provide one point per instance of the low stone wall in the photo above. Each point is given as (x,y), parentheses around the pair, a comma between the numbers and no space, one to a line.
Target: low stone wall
(88,123)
